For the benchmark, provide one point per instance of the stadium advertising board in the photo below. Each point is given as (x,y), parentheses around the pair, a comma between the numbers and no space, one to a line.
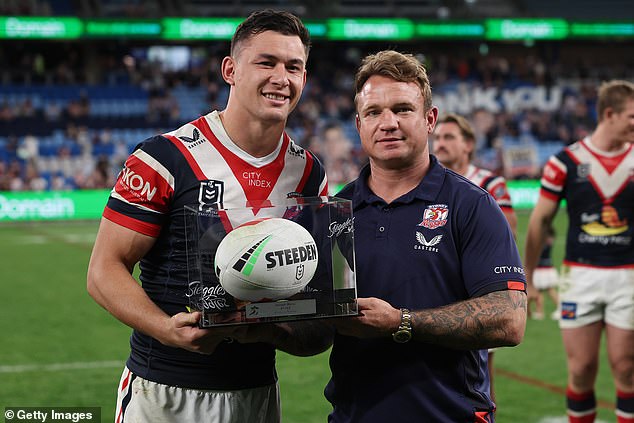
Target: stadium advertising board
(52,205)
(25,27)
(222,28)
(89,204)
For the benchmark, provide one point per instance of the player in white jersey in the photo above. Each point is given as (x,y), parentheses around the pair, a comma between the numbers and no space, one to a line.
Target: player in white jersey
(594,176)
(454,146)
(177,371)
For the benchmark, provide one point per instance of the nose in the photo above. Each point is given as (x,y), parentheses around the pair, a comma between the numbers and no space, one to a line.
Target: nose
(279,75)
(388,121)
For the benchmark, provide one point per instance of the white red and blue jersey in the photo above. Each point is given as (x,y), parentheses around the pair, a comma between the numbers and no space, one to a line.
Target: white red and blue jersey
(599,194)
(443,242)
(493,184)
(198,165)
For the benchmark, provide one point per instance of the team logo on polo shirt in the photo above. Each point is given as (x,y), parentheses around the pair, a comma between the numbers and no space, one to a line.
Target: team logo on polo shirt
(435,216)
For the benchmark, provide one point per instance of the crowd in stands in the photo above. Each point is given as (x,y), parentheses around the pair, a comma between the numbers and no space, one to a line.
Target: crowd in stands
(70,116)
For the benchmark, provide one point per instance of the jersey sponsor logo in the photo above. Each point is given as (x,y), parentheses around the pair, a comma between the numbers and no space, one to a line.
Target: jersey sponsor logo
(435,216)
(255,179)
(425,245)
(136,184)
(210,192)
(568,311)
(508,269)
(194,140)
(605,225)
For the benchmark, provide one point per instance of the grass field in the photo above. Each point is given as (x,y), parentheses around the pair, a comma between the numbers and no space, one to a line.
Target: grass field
(60,349)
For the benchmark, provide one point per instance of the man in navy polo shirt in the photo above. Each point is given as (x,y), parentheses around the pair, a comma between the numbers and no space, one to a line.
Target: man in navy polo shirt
(439,276)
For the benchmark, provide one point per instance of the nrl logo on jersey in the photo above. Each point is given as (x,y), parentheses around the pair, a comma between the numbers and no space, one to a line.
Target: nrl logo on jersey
(210,192)
(427,245)
(435,216)
(583,170)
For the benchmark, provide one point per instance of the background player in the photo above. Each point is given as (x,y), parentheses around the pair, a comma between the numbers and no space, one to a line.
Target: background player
(177,371)
(546,280)
(454,146)
(594,175)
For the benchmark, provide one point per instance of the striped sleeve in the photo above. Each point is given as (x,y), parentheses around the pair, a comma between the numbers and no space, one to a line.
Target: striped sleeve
(142,193)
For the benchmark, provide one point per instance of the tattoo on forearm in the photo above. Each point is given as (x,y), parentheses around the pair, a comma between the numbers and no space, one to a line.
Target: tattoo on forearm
(489,321)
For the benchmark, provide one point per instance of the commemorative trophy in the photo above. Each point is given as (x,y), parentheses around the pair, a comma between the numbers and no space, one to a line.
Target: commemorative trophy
(292,259)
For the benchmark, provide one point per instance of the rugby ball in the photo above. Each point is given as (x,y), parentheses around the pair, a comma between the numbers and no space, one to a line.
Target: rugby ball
(266,259)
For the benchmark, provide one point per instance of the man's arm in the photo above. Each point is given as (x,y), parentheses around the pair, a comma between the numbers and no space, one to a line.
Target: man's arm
(540,220)
(110,282)
(492,320)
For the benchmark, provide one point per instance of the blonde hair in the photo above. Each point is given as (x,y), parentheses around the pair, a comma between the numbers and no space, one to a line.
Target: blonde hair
(398,66)
(614,94)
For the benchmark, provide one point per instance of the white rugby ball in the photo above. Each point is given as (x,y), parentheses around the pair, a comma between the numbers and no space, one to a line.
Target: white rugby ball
(271,258)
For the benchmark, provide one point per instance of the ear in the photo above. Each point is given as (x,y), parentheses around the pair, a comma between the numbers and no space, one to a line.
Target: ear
(432,118)
(357,122)
(469,145)
(228,70)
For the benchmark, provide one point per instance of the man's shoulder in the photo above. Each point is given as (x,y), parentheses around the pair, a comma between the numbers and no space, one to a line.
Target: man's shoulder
(347,191)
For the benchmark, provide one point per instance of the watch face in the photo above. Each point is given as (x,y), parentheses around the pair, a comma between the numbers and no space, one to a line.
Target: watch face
(402,336)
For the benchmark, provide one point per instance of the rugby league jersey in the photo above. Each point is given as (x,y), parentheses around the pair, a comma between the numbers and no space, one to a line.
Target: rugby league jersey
(493,184)
(198,165)
(599,197)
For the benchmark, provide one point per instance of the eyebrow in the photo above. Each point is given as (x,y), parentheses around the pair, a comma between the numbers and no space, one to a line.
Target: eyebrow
(273,57)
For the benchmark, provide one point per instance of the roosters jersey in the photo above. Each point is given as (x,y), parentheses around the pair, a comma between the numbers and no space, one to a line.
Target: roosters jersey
(441,243)
(199,165)
(493,184)
(599,195)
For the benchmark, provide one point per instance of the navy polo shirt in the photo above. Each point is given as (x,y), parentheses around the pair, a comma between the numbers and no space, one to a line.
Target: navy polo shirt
(445,241)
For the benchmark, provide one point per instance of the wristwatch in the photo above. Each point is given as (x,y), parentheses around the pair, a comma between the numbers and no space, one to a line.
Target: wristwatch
(404,331)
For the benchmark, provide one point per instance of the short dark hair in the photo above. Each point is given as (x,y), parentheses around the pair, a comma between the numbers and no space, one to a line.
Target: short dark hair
(270,20)
(400,67)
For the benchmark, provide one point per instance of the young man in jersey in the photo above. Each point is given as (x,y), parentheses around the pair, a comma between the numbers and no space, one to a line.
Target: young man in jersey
(454,145)
(439,277)
(178,372)
(594,176)
(546,279)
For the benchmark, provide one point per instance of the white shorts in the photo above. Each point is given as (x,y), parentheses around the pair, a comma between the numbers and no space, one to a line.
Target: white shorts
(588,295)
(545,277)
(140,400)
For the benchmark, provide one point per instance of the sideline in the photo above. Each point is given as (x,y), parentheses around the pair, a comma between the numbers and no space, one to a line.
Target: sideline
(56,367)
(547,386)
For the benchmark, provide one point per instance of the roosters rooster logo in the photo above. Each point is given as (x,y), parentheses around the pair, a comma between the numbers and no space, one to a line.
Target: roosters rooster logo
(435,216)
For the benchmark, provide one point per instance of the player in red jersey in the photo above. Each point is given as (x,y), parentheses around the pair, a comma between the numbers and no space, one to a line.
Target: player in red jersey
(178,372)
(594,176)
(454,145)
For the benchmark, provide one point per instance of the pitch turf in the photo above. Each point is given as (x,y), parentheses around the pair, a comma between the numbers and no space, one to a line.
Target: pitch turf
(59,348)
